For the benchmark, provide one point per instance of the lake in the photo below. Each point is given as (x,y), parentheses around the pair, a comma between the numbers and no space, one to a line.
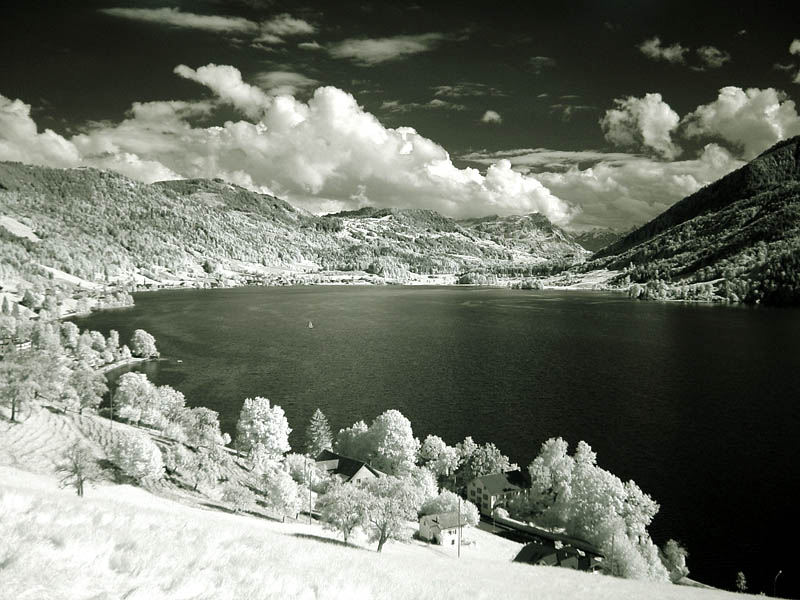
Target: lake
(698,404)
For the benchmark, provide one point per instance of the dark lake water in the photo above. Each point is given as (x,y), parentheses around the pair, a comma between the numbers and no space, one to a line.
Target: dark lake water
(700,405)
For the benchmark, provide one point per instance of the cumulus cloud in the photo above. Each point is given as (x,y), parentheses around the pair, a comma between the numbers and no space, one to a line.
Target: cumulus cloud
(540,63)
(653,48)
(20,139)
(177,18)
(324,154)
(712,57)
(646,122)
(794,47)
(622,191)
(284,83)
(226,82)
(491,117)
(751,120)
(369,52)
(614,189)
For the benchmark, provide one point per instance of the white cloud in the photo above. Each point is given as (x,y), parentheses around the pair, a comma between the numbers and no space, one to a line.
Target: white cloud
(285,83)
(491,117)
(226,82)
(274,30)
(540,63)
(177,18)
(624,191)
(642,123)
(434,104)
(652,48)
(310,45)
(712,57)
(21,141)
(315,153)
(794,47)
(544,159)
(466,89)
(752,119)
(368,52)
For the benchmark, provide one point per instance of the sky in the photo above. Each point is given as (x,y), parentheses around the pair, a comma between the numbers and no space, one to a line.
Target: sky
(595,113)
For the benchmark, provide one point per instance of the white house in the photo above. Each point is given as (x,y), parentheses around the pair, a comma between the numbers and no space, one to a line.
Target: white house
(494,490)
(441,528)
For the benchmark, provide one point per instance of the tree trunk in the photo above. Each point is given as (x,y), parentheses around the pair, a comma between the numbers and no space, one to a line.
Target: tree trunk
(13,409)
(381,542)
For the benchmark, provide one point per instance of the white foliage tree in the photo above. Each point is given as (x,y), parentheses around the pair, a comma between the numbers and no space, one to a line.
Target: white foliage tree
(137,456)
(284,496)
(260,423)
(343,508)
(394,444)
(143,344)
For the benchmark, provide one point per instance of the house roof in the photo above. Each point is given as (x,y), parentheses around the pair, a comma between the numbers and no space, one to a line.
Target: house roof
(500,483)
(345,466)
(447,520)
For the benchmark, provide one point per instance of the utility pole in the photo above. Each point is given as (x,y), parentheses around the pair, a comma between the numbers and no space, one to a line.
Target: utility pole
(459,526)
(308,483)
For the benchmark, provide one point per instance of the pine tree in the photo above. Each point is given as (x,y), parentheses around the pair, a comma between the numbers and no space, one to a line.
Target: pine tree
(318,434)
(6,306)
(741,583)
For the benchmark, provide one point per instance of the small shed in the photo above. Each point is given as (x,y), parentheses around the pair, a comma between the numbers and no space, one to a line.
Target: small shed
(441,528)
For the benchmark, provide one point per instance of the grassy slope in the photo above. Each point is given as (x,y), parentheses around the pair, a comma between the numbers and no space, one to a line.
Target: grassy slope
(123,541)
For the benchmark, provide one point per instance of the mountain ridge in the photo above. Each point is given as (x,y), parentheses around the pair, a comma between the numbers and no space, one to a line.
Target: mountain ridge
(92,221)
(740,235)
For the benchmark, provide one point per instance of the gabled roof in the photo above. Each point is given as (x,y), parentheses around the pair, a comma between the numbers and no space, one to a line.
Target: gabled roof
(326,455)
(447,520)
(501,483)
(345,466)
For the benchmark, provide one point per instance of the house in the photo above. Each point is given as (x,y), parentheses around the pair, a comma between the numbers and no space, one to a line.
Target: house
(346,468)
(494,490)
(565,556)
(441,528)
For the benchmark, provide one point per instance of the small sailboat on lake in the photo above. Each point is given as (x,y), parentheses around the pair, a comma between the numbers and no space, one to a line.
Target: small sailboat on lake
(310,325)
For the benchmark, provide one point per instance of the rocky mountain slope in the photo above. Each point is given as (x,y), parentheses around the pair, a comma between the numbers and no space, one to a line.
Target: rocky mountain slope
(102,226)
(738,237)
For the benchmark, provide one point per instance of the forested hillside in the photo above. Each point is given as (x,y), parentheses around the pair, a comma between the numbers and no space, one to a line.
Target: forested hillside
(736,239)
(102,226)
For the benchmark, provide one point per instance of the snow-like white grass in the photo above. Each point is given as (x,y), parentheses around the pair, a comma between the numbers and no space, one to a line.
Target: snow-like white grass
(18,229)
(121,541)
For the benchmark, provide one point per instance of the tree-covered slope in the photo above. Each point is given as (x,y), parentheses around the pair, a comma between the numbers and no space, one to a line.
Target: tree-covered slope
(100,225)
(740,235)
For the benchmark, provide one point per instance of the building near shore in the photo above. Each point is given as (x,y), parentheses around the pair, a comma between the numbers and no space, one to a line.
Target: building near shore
(441,528)
(490,491)
(345,468)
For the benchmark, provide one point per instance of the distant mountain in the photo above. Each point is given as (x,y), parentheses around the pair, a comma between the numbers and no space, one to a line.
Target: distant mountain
(598,238)
(739,236)
(98,225)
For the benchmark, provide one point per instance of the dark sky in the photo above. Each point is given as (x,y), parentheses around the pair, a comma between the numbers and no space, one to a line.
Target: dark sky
(484,83)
